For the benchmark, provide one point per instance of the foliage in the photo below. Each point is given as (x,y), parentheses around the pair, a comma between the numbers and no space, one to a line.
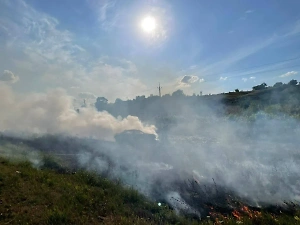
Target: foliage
(260,87)
(178,93)
(293,82)
(277,84)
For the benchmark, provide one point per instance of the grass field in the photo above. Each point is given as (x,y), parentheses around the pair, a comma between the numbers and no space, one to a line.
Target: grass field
(48,192)
(46,196)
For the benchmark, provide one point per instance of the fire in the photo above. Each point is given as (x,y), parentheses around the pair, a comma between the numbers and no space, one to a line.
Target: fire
(251,213)
(237,214)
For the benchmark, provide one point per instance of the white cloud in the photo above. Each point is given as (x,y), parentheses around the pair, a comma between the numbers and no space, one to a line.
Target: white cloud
(223,78)
(49,57)
(189,79)
(250,78)
(291,73)
(8,76)
(249,11)
(186,82)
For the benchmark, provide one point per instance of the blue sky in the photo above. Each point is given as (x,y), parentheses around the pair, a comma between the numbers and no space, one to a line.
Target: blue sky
(98,48)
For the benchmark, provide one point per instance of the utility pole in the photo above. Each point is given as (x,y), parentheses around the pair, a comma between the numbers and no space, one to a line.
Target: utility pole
(159,90)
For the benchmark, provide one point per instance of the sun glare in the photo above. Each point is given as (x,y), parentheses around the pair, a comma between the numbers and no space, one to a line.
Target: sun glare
(148,24)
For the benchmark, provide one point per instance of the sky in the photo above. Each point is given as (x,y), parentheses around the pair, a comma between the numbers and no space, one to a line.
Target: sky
(94,48)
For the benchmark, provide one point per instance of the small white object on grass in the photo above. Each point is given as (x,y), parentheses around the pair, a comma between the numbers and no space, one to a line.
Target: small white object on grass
(159,204)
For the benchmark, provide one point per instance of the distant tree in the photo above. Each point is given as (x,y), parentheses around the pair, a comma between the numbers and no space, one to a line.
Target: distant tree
(293,82)
(278,84)
(101,103)
(178,93)
(102,100)
(140,98)
(237,90)
(260,87)
(118,101)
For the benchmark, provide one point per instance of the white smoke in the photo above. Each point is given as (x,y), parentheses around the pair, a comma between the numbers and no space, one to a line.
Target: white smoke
(53,112)
(258,160)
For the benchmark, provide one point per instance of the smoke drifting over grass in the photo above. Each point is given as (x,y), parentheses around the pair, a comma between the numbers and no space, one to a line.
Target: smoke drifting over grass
(256,161)
(53,113)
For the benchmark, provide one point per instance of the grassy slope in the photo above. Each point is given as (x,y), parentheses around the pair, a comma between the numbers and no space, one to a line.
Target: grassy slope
(52,195)
(31,196)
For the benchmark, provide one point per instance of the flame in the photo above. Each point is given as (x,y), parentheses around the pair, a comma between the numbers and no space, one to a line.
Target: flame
(237,214)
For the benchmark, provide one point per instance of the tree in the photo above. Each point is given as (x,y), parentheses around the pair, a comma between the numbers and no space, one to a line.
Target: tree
(260,87)
(102,100)
(118,101)
(293,82)
(101,103)
(278,84)
(237,90)
(178,93)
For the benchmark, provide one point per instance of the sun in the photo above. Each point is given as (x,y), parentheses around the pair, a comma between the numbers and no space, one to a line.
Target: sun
(148,24)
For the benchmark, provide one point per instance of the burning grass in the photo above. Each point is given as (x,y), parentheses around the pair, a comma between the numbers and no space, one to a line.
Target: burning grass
(60,192)
(219,205)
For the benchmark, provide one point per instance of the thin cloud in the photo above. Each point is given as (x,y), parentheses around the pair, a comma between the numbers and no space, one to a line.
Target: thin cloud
(223,78)
(107,12)
(252,78)
(249,11)
(8,76)
(61,62)
(244,52)
(291,73)
(244,79)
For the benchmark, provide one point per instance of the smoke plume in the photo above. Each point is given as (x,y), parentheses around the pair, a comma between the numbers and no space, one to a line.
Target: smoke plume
(53,113)
(255,160)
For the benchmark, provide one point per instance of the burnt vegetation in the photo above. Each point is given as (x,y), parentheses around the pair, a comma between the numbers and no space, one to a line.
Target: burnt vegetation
(91,195)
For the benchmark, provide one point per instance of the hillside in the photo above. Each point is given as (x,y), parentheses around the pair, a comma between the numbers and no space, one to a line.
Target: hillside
(31,196)
(55,194)
(277,99)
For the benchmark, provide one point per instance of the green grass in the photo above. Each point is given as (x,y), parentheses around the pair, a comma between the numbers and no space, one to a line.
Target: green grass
(53,195)
(31,196)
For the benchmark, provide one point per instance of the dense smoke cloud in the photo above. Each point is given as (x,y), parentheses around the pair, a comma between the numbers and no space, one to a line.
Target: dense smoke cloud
(53,112)
(255,159)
